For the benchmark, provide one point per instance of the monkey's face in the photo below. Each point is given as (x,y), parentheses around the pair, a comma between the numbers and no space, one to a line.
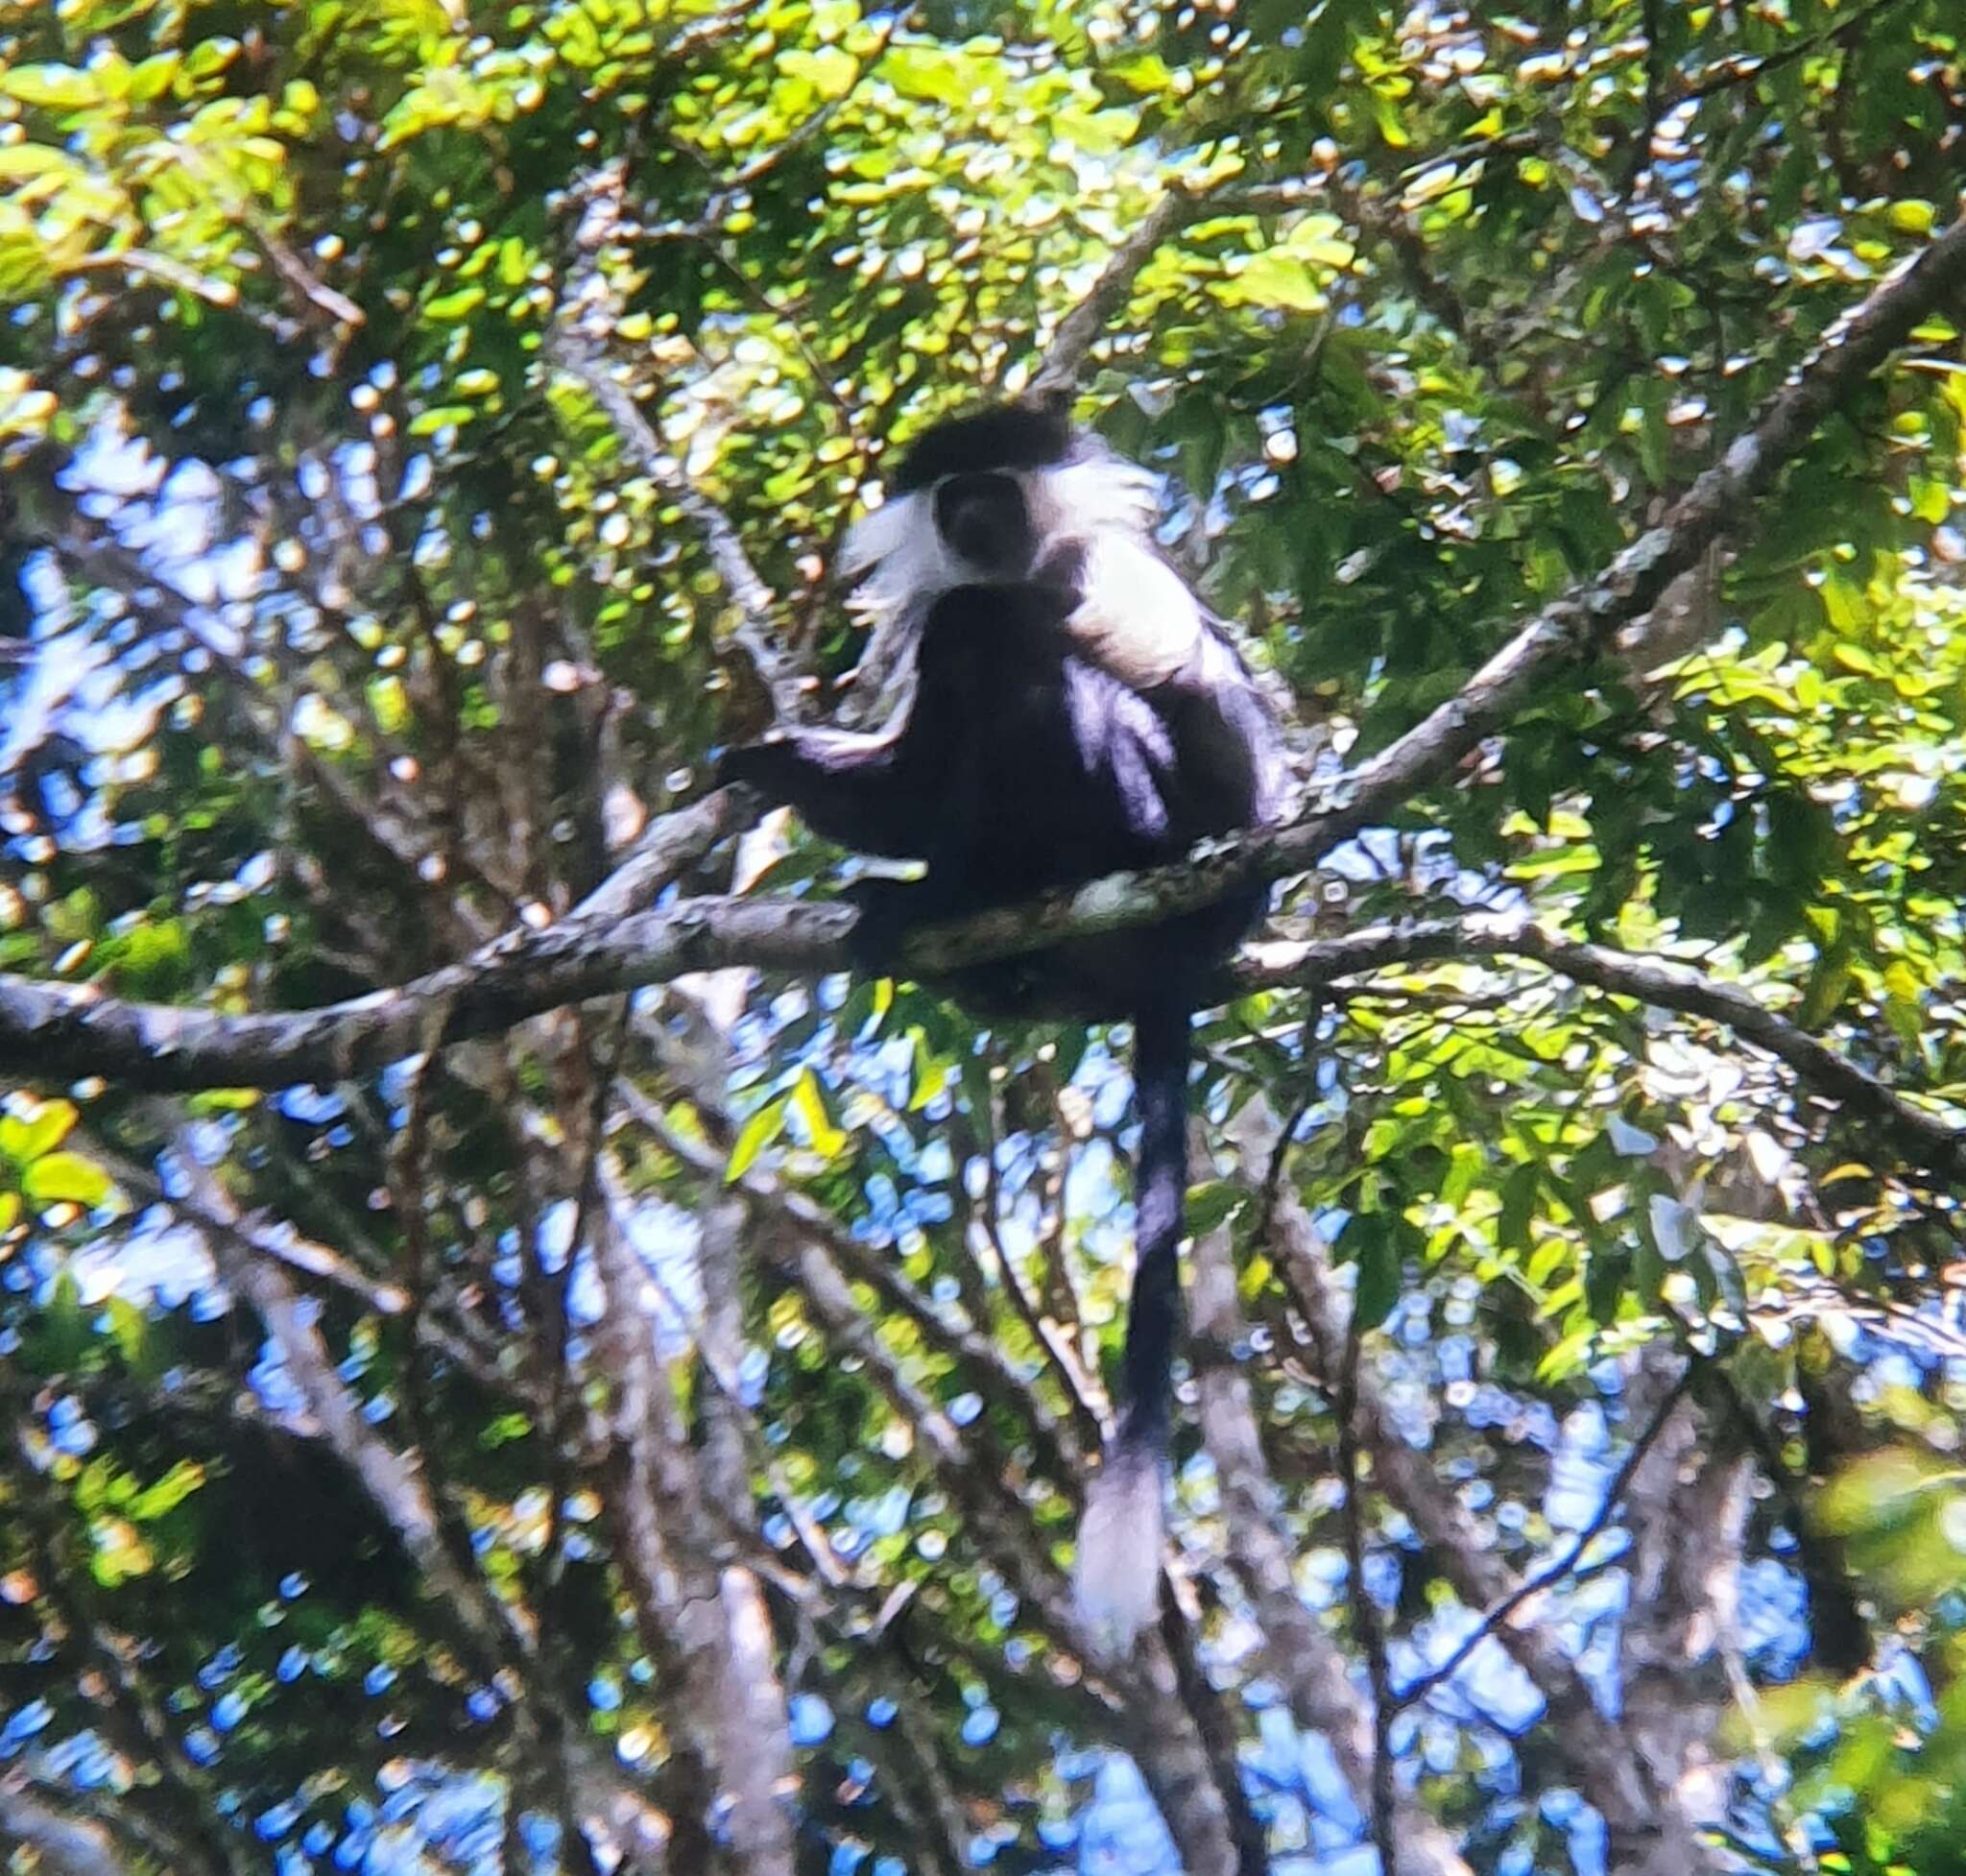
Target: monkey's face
(985,522)
(986,500)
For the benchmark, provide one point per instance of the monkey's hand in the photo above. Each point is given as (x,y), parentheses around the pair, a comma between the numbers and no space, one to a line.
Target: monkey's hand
(767,765)
(865,792)
(889,909)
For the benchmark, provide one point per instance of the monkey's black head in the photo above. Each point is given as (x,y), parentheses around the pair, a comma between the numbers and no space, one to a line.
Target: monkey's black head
(1017,435)
(975,466)
(984,498)
(975,469)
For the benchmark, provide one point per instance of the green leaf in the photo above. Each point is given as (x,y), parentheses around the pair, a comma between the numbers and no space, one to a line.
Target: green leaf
(809,1099)
(1828,982)
(153,77)
(454,304)
(923,72)
(829,71)
(441,417)
(1467,1163)
(208,57)
(56,1177)
(154,959)
(1607,1275)
(168,1493)
(127,1329)
(1381,1271)
(1839,596)
(503,1430)
(1520,1191)
(1147,73)
(21,163)
(25,1138)
(388,698)
(1273,279)
(1567,1357)
(1213,1204)
(54,87)
(757,1134)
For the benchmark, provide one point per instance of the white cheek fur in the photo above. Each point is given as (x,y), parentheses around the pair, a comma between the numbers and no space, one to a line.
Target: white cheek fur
(898,556)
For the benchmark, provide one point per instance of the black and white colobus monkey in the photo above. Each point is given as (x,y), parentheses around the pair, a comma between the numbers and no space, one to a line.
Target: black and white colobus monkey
(1074,711)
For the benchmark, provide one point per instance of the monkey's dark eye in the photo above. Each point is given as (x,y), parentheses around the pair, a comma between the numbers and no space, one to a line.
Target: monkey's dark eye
(983,518)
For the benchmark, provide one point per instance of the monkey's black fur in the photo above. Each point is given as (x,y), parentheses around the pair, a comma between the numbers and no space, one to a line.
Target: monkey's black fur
(1023,765)
(1002,437)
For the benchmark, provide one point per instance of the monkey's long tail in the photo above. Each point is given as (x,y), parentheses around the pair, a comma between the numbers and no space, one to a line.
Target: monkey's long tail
(1117,1580)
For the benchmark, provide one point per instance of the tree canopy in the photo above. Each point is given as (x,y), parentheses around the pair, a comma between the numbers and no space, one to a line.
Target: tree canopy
(514,1359)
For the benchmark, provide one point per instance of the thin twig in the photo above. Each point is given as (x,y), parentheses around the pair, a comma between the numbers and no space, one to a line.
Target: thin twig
(1365,1617)
(1744,67)
(581,360)
(1563,1566)
(1307,1098)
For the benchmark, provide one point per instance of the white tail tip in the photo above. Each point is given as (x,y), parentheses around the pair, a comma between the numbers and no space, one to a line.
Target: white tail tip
(1117,1583)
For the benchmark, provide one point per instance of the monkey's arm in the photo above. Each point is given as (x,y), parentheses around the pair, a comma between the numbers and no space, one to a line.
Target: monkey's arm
(1126,610)
(1228,755)
(1128,613)
(865,792)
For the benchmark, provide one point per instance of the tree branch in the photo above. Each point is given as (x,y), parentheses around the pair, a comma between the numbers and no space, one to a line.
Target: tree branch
(390,1476)
(62,1032)
(1686,1512)
(873,1263)
(1306,1661)
(1079,330)
(64,1846)
(494,1636)
(581,360)
(1747,68)
(1559,1568)
(1366,1625)
(1665,983)
(1591,1745)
